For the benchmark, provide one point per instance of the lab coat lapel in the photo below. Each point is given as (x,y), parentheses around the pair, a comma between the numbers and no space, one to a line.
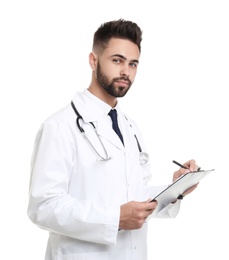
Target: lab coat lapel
(106,131)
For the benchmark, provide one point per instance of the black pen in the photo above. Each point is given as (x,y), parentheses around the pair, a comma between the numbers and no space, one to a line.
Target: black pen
(182,166)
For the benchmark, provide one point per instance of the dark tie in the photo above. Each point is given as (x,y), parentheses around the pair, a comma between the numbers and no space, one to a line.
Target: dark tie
(113,115)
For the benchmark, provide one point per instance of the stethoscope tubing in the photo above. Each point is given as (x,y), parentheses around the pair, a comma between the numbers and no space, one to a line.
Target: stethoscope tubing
(78,118)
(143,156)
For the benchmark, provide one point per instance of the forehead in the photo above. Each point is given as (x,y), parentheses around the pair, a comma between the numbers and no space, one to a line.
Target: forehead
(122,47)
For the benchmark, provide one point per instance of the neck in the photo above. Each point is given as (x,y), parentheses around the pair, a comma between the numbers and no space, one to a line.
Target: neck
(100,93)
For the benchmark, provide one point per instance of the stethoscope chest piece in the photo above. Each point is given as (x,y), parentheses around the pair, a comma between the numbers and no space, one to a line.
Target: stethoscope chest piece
(143,157)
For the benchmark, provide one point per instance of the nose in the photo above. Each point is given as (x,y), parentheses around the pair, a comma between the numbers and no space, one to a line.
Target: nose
(125,71)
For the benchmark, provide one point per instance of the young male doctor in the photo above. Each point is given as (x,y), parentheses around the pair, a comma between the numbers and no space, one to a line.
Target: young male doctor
(89,184)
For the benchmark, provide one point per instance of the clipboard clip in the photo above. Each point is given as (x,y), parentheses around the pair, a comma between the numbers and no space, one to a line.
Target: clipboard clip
(180,197)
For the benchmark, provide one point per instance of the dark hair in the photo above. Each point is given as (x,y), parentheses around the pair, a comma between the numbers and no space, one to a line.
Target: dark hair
(117,29)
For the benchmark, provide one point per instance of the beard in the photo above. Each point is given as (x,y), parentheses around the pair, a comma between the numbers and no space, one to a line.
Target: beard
(109,86)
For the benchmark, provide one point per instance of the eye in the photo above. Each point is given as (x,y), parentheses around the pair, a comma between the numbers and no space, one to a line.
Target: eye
(117,61)
(133,64)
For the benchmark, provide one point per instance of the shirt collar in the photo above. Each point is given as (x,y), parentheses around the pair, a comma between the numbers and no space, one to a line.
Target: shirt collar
(99,103)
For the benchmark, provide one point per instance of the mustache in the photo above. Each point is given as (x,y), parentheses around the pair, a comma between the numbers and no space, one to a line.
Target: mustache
(122,78)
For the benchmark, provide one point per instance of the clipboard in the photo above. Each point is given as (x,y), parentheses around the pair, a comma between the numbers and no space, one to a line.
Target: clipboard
(179,186)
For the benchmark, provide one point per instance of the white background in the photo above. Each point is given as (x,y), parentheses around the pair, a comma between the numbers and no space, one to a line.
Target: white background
(179,99)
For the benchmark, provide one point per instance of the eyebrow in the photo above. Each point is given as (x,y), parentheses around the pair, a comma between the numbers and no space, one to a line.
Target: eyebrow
(123,57)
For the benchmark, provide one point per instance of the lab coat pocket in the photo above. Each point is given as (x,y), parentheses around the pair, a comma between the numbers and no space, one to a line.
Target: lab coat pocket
(84,256)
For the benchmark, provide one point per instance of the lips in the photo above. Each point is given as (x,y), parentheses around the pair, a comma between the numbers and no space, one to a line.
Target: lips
(123,83)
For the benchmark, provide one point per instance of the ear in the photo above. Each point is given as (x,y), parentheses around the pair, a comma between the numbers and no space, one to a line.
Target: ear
(93,60)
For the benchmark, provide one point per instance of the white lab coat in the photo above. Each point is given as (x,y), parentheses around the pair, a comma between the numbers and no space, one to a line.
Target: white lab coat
(76,197)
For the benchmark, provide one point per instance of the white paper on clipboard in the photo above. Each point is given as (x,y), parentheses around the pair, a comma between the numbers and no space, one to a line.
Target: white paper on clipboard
(179,186)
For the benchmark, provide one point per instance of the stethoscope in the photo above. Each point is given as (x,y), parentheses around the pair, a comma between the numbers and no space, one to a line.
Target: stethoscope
(143,157)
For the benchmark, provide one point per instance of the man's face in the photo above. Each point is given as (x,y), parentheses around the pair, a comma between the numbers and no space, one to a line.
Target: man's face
(117,67)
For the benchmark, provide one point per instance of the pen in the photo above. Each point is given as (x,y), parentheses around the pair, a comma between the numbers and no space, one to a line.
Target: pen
(177,163)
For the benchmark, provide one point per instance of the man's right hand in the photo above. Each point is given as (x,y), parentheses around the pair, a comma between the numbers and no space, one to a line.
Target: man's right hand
(133,214)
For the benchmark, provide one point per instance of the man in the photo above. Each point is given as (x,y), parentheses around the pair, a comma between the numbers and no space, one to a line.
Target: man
(88,183)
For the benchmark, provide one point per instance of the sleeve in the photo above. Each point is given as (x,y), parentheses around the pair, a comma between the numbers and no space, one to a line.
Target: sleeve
(50,205)
(170,211)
